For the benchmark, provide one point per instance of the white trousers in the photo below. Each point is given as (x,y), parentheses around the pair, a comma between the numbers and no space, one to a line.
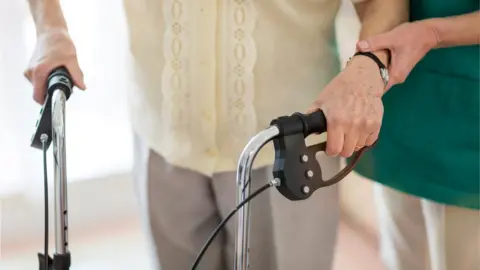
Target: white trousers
(417,234)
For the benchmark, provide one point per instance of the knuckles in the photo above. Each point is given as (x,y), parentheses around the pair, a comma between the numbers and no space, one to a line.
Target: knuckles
(334,150)
(39,69)
(359,122)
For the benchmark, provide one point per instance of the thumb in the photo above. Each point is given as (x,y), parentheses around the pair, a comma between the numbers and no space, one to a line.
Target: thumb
(375,43)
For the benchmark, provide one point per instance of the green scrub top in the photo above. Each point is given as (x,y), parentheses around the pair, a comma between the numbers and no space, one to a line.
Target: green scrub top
(429,141)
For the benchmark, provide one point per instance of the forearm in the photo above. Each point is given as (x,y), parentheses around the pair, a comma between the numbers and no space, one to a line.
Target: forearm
(457,30)
(379,16)
(47,14)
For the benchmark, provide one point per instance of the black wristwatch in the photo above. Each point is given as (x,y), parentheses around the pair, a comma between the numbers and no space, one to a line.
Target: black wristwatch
(381,66)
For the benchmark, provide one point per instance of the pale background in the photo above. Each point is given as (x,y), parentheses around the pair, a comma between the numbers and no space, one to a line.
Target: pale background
(105,231)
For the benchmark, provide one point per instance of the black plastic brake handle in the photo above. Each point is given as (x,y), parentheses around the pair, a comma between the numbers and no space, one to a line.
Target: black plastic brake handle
(295,164)
(59,79)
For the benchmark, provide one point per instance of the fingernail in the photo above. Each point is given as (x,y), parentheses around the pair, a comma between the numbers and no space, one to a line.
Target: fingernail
(363,45)
(331,154)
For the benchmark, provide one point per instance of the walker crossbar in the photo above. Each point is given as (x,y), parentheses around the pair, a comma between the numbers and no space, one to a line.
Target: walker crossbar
(51,127)
(295,167)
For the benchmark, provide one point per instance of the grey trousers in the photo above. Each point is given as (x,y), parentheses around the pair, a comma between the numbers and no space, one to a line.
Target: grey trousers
(181,208)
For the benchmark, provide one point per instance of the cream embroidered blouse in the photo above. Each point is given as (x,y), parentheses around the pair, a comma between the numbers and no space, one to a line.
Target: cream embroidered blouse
(213,73)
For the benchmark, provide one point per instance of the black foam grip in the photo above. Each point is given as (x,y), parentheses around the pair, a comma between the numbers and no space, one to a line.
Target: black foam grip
(314,123)
(299,123)
(60,79)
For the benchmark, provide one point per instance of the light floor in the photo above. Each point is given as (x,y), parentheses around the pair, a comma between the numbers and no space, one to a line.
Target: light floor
(124,247)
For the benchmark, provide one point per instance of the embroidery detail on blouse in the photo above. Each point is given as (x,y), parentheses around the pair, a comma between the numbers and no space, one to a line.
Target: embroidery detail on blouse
(174,80)
(241,57)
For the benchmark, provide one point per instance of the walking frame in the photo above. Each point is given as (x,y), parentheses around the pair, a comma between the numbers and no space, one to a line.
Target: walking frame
(297,174)
(50,129)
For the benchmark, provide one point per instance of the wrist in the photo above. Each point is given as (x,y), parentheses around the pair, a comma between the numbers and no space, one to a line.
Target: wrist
(49,17)
(50,24)
(383,56)
(370,61)
(433,29)
(363,61)
(47,29)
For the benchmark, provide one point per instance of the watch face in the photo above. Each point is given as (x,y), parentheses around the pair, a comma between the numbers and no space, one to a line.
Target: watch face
(384,74)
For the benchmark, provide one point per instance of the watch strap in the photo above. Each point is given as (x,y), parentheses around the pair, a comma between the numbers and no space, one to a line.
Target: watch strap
(373,57)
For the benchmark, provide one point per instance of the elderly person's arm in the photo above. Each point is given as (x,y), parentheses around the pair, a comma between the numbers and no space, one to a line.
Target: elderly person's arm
(47,15)
(352,101)
(418,38)
(54,47)
(379,16)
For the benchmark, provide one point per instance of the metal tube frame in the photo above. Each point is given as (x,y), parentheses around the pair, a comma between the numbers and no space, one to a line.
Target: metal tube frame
(243,191)
(60,172)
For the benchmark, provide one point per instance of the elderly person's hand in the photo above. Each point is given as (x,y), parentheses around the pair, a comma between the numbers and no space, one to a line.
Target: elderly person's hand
(54,49)
(352,101)
(353,107)
(408,43)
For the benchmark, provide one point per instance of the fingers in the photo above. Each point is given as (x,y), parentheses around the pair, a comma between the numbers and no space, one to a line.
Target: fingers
(398,71)
(77,74)
(335,140)
(345,138)
(362,140)
(375,43)
(353,110)
(28,74)
(38,77)
(351,141)
(54,49)
(399,68)
(372,138)
(312,110)
(335,134)
(315,107)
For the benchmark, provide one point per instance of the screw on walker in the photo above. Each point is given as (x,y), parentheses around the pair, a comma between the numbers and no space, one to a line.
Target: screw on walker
(50,129)
(296,172)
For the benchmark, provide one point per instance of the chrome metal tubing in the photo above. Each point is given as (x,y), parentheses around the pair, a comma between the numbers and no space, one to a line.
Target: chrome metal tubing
(244,169)
(60,172)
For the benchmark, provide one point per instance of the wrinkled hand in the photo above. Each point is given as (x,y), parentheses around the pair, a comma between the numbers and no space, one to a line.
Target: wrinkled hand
(54,49)
(408,44)
(353,107)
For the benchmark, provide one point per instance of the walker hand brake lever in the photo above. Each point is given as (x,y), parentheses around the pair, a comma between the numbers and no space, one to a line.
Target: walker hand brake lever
(295,164)
(59,79)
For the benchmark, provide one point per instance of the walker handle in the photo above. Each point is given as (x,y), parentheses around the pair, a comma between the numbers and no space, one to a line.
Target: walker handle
(296,165)
(59,79)
(298,123)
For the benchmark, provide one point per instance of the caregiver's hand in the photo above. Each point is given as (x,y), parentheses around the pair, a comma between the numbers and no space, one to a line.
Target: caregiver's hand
(54,49)
(408,43)
(353,107)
